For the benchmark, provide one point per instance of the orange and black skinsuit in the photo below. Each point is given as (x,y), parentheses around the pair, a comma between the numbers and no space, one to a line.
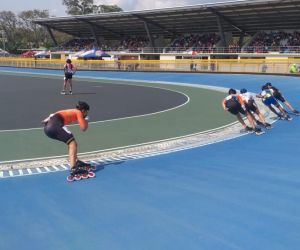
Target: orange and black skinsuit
(234,103)
(55,124)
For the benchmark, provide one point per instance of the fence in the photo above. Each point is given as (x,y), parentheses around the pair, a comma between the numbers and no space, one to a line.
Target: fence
(271,66)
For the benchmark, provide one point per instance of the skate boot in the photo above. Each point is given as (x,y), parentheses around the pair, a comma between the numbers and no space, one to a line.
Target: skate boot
(259,123)
(288,118)
(280,117)
(268,125)
(77,174)
(248,129)
(296,112)
(85,165)
(258,131)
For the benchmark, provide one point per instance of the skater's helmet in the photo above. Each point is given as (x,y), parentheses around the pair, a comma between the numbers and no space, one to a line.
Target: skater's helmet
(243,91)
(264,87)
(231,91)
(69,61)
(268,84)
(82,106)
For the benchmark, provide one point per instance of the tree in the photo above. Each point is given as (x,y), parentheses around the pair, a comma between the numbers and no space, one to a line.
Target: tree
(82,7)
(106,8)
(34,33)
(9,27)
(78,7)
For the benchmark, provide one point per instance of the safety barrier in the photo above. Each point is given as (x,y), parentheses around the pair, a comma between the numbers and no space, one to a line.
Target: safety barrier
(271,66)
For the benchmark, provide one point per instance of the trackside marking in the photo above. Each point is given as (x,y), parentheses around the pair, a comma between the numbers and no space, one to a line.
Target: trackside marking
(47,169)
(110,160)
(56,168)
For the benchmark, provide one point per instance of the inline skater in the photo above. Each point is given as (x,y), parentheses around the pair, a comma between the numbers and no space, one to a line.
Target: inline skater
(233,104)
(269,100)
(55,128)
(69,71)
(250,105)
(279,97)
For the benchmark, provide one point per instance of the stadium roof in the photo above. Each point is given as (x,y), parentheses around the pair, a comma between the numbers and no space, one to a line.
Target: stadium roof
(244,16)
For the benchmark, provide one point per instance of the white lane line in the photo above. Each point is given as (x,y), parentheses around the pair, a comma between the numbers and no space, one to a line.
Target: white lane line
(56,168)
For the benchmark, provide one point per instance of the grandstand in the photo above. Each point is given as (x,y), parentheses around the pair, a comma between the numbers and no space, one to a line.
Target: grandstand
(236,23)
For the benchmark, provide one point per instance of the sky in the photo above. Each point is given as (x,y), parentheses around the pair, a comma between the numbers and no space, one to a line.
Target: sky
(56,8)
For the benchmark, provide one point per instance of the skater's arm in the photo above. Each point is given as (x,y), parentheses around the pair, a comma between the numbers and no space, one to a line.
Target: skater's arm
(83,123)
(224,105)
(47,119)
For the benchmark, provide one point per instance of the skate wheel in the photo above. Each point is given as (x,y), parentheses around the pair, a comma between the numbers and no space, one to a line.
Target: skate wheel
(91,174)
(84,176)
(77,177)
(70,178)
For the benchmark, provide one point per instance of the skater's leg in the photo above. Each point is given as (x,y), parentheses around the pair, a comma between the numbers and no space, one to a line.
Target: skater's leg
(64,85)
(240,119)
(72,148)
(70,85)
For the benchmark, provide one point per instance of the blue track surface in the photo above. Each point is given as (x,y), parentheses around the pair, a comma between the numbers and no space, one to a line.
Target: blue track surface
(238,194)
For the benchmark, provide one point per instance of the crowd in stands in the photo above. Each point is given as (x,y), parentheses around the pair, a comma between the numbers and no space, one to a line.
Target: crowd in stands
(263,42)
(279,41)
(134,44)
(204,43)
(75,45)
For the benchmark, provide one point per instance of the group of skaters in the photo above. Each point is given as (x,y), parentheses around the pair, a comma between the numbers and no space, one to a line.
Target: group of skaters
(238,104)
(243,104)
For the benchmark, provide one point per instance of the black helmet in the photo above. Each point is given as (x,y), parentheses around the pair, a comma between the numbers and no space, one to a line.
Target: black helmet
(82,106)
(231,91)
(242,91)
(268,84)
(69,61)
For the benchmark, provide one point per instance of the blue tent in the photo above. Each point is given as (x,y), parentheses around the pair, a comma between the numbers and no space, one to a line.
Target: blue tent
(93,54)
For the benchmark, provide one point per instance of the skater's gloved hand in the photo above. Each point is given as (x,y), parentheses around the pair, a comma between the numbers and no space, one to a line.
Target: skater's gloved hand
(87,118)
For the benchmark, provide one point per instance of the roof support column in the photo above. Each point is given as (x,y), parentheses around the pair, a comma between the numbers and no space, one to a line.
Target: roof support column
(241,40)
(221,30)
(96,38)
(52,36)
(152,43)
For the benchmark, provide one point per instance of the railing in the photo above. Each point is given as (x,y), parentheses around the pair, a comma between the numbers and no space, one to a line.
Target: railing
(275,66)
(207,50)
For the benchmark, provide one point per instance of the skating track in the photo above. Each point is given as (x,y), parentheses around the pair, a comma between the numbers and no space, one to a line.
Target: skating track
(242,193)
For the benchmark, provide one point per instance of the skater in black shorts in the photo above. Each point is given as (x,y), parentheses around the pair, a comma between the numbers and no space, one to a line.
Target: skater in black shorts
(251,106)
(279,97)
(55,128)
(232,104)
(69,71)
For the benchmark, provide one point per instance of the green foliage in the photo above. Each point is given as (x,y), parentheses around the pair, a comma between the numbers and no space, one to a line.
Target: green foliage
(82,7)
(20,32)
